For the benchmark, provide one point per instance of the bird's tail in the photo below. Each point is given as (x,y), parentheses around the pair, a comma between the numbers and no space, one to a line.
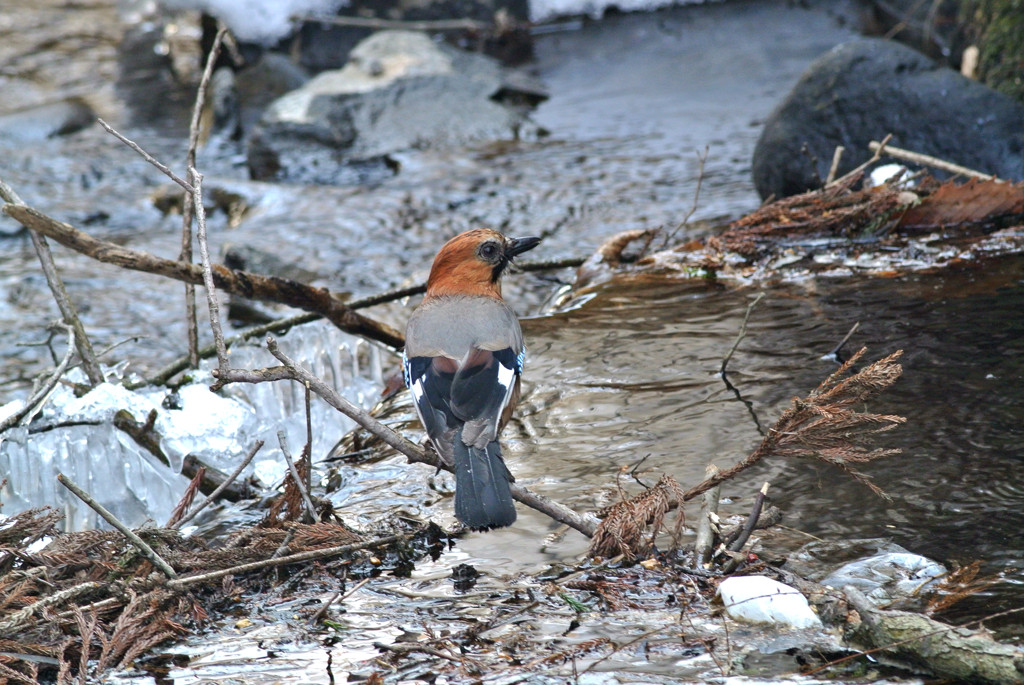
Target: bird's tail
(482,496)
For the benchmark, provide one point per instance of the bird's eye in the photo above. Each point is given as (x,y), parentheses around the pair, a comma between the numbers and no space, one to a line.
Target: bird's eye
(489,251)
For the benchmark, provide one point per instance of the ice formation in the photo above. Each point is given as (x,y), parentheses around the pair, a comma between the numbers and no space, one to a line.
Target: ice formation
(76,436)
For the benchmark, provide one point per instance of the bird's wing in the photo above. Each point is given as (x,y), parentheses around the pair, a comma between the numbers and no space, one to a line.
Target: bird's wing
(430,381)
(485,384)
(475,391)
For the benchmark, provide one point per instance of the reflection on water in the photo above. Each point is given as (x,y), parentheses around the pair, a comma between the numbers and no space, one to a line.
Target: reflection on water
(632,373)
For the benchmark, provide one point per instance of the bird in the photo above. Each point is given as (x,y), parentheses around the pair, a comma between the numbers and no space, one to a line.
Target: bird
(462,362)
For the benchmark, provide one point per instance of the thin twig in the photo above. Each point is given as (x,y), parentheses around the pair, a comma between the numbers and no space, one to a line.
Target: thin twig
(927,160)
(307,451)
(188,203)
(705,535)
(338,597)
(838,348)
(751,523)
(874,158)
(322,611)
(141,544)
(148,157)
(191,316)
(548,264)
(619,647)
(200,101)
(220,488)
(702,159)
(836,156)
(280,326)
(204,256)
(748,529)
(296,476)
(559,512)
(40,395)
(283,561)
(282,549)
(742,334)
(67,308)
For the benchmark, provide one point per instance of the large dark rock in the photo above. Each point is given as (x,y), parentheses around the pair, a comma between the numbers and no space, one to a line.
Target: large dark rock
(863,90)
(399,91)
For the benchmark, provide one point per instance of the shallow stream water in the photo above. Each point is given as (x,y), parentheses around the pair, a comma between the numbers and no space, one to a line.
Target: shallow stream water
(629,371)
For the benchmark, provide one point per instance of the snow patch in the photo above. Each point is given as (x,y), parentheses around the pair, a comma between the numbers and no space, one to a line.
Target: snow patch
(260,21)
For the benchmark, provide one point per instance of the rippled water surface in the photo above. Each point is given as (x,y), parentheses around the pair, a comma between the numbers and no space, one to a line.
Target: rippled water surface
(632,373)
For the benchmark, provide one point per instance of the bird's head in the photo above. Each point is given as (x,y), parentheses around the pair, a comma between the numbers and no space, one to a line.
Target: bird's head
(471,263)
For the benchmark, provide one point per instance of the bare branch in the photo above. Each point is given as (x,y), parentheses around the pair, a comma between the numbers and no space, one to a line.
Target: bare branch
(836,156)
(188,203)
(245,284)
(742,334)
(394,24)
(47,386)
(859,170)
(146,156)
(204,256)
(323,553)
(220,488)
(927,160)
(141,544)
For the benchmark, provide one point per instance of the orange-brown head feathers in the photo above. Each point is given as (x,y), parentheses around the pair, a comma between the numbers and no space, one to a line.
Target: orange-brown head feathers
(471,263)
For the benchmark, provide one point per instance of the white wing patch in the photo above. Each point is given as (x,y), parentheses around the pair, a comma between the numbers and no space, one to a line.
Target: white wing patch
(506,379)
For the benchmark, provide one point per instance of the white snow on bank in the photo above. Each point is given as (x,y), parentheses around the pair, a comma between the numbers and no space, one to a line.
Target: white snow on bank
(546,10)
(257,21)
(267,21)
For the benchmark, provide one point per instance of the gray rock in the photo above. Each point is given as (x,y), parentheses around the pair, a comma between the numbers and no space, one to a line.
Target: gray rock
(861,91)
(890,577)
(884,571)
(399,91)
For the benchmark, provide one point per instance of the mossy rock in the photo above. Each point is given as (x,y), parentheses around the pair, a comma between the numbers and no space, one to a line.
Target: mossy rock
(997,27)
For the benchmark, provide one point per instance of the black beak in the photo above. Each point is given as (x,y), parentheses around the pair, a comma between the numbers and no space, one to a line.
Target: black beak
(517,246)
